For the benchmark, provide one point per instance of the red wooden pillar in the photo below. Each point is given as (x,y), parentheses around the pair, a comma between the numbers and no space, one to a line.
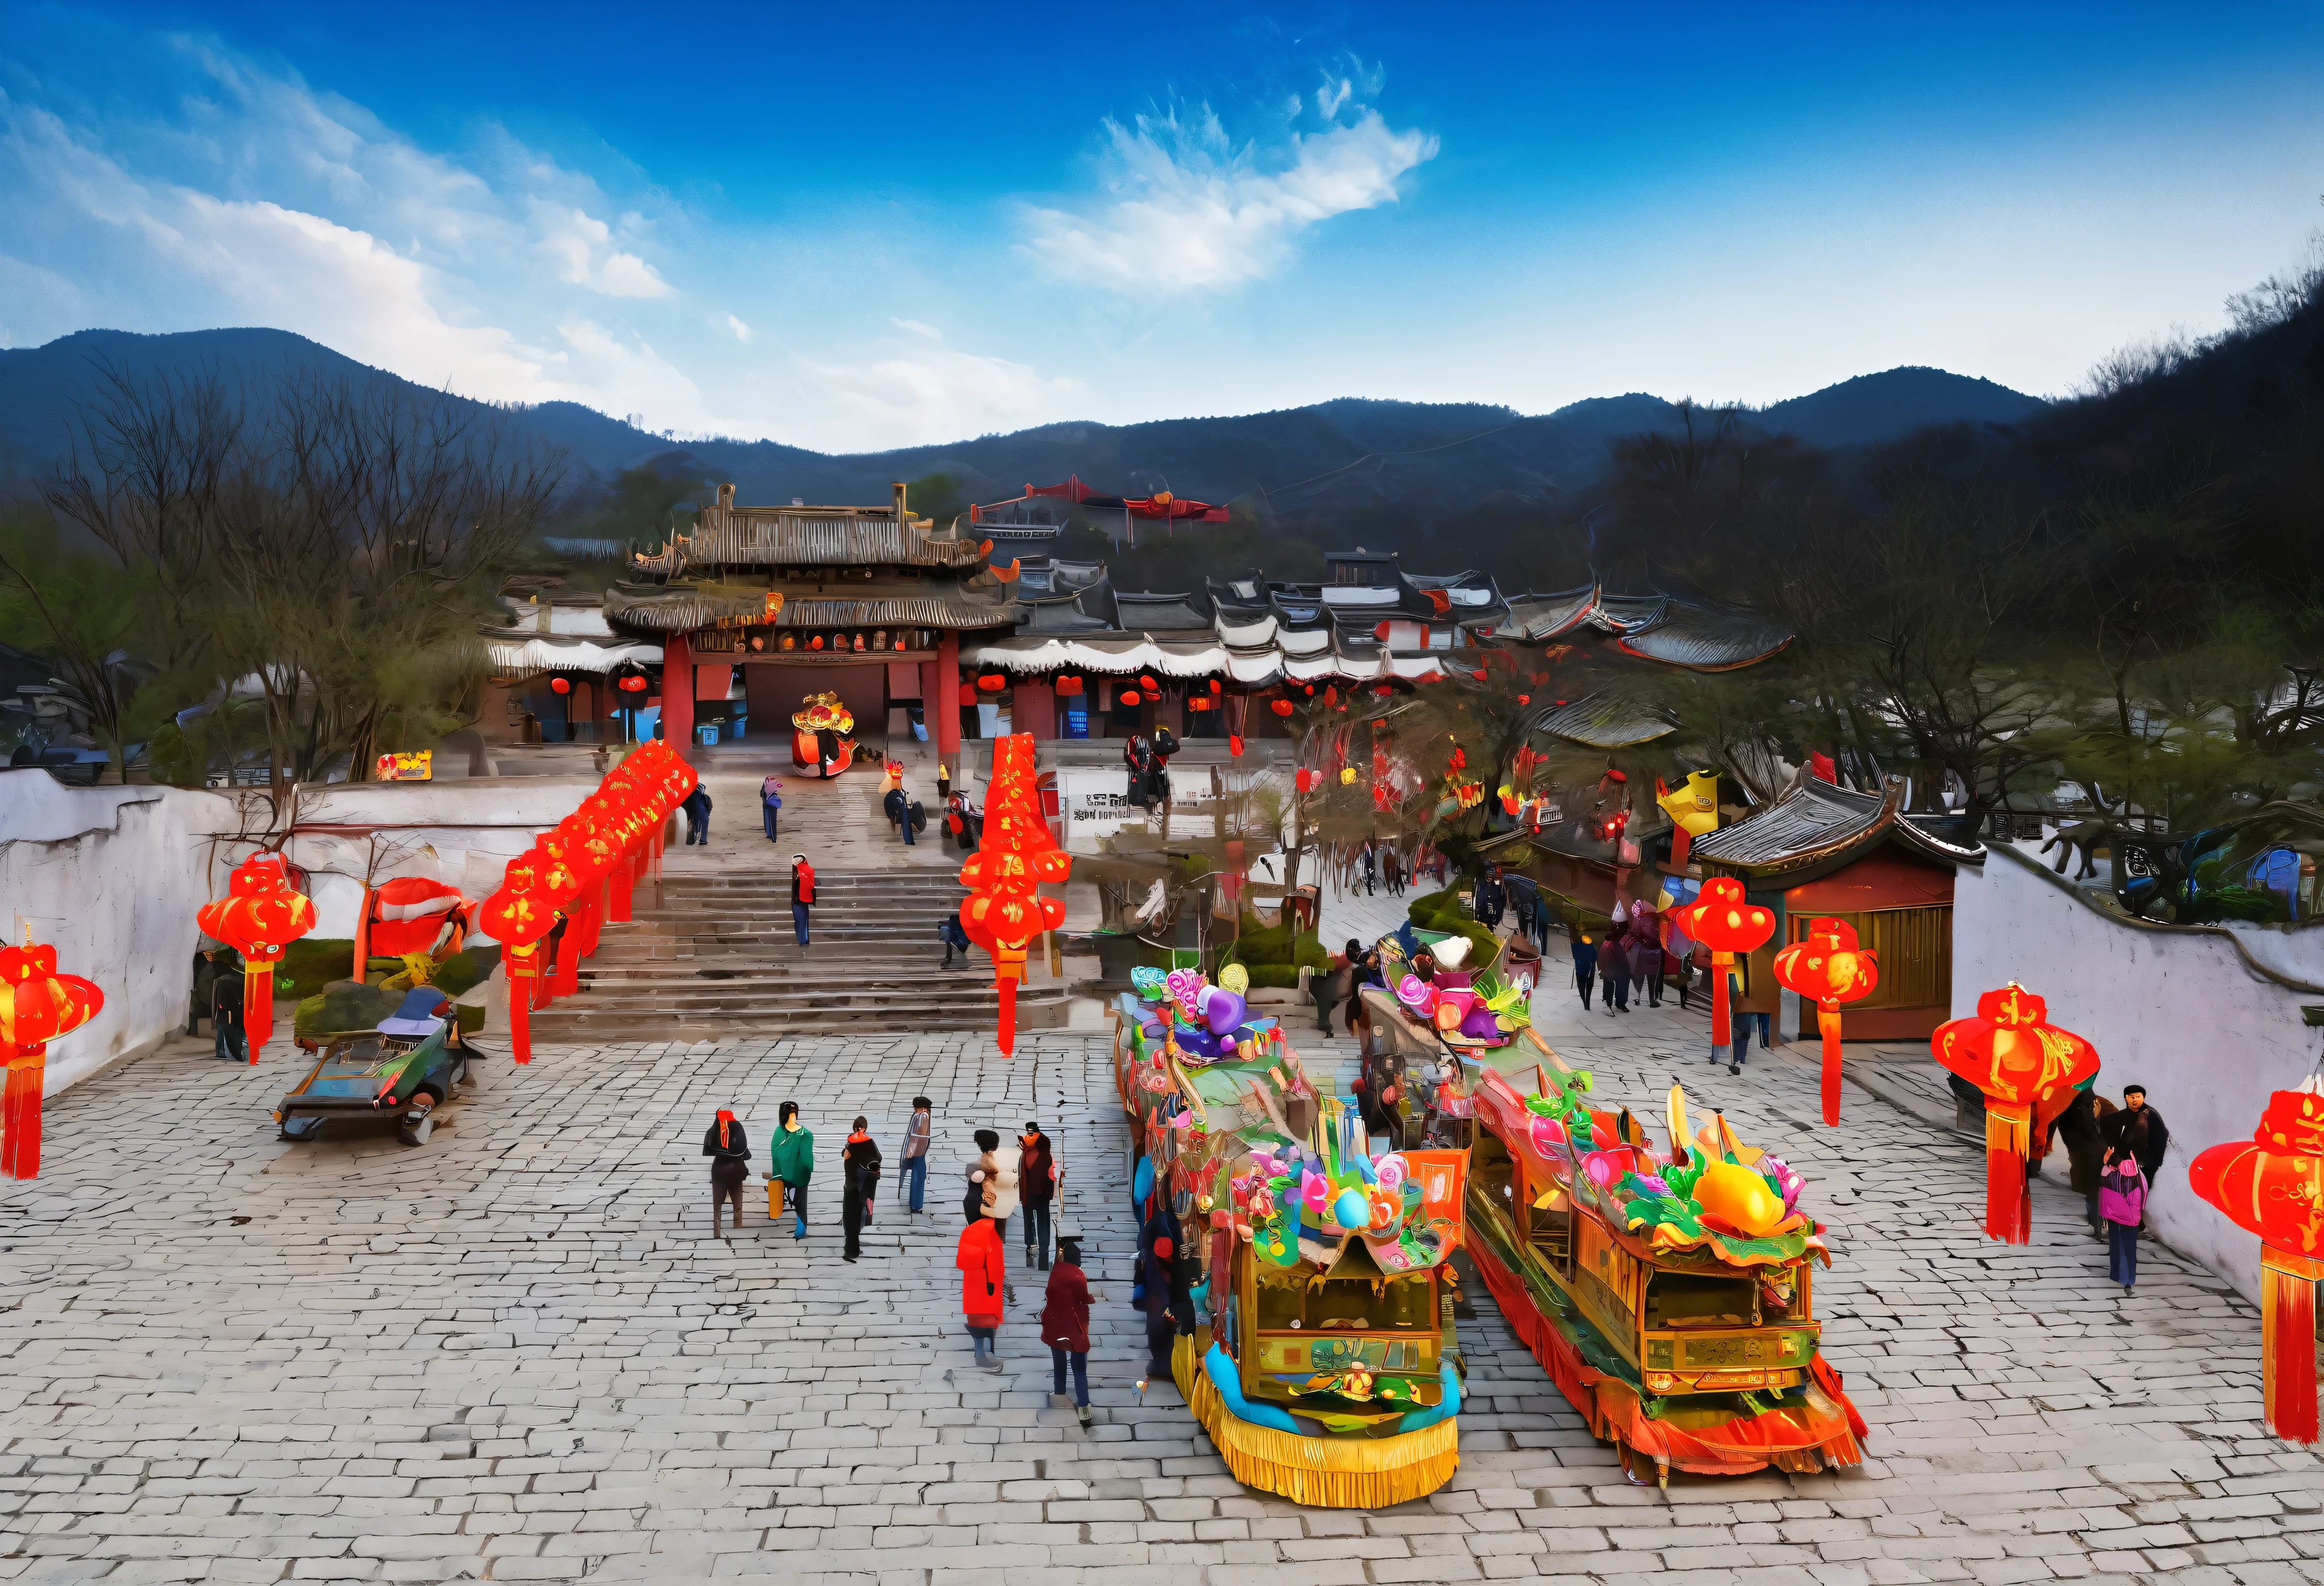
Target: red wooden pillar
(948,704)
(1036,711)
(676,693)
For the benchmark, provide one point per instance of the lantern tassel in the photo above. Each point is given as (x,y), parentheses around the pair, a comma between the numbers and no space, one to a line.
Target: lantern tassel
(523,977)
(1008,984)
(1828,1027)
(2008,1199)
(362,937)
(1719,1034)
(19,1114)
(2287,1303)
(258,1006)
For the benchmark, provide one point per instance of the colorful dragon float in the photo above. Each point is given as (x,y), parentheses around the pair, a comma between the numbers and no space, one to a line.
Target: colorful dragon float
(1329,1371)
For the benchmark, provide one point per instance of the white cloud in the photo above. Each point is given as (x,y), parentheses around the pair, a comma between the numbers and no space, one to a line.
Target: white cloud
(584,248)
(1194,213)
(737,329)
(921,391)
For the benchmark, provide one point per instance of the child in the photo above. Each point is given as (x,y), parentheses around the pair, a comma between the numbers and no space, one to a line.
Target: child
(981,1283)
(2122,1202)
(1065,1322)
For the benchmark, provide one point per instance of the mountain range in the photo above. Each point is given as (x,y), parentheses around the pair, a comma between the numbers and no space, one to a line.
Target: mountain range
(1297,461)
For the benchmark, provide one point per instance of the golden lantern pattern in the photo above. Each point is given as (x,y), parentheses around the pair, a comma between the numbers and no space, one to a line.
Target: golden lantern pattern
(37,1005)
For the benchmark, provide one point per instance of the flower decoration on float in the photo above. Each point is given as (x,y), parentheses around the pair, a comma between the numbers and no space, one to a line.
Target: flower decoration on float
(2273,1185)
(37,1006)
(2028,1070)
(260,916)
(1004,910)
(1711,1191)
(1726,924)
(1828,967)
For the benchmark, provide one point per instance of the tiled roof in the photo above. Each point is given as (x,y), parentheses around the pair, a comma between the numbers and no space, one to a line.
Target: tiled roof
(1815,820)
(1604,721)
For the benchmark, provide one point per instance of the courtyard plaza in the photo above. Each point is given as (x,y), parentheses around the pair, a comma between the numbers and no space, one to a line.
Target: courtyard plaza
(516,1353)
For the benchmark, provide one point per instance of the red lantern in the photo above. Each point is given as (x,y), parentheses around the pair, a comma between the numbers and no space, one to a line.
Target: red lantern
(1281,707)
(1827,968)
(634,683)
(1004,910)
(533,887)
(259,917)
(1234,745)
(1724,923)
(1067,686)
(1149,684)
(1130,696)
(1306,779)
(560,686)
(992,682)
(1216,688)
(2029,1070)
(816,642)
(2273,1185)
(37,1005)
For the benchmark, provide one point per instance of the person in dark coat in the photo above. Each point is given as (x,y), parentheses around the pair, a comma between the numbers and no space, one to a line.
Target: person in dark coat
(1614,965)
(1169,1304)
(1138,762)
(859,1168)
(1493,899)
(2138,1129)
(1368,857)
(1392,872)
(802,895)
(1037,1190)
(228,1041)
(729,1150)
(899,808)
(1585,966)
(1329,984)
(2077,1128)
(954,937)
(1647,963)
(1065,1322)
(697,806)
(770,804)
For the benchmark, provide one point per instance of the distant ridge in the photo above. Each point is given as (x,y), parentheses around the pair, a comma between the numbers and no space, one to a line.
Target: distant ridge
(1350,453)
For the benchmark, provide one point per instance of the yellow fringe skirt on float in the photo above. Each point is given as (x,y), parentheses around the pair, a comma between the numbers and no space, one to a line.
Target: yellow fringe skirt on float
(1329,1472)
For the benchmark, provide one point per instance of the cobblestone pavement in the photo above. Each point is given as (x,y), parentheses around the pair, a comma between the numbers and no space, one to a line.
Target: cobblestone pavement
(514,1354)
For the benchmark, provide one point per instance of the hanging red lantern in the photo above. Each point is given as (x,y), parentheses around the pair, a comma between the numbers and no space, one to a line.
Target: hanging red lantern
(37,1006)
(1281,707)
(1829,968)
(992,682)
(816,642)
(1330,696)
(1199,702)
(1726,924)
(1216,688)
(1525,699)
(2029,1070)
(533,888)
(1130,696)
(1004,910)
(1308,690)
(1306,779)
(1234,745)
(2273,1185)
(1068,686)
(259,917)
(560,686)
(1149,684)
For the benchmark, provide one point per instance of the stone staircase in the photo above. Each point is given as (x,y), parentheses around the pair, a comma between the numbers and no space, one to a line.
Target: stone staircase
(714,954)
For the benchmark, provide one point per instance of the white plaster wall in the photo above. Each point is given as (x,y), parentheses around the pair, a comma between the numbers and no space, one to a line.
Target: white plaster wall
(113,877)
(460,832)
(2177,1011)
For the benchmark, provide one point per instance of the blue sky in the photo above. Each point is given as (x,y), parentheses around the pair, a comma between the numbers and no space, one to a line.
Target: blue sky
(854,228)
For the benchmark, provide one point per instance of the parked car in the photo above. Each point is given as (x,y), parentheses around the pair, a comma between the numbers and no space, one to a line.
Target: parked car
(405,1069)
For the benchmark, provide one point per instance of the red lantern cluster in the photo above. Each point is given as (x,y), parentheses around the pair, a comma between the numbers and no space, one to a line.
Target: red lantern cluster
(2029,1070)
(582,872)
(259,917)
(2273,1185)
(1829,968)
(37,1005)
(1005,910)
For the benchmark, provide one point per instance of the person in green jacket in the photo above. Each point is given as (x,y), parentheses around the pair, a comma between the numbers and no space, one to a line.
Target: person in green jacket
(791,1162)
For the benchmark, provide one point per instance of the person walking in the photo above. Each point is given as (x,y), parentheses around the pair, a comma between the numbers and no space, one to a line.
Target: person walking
(729,1150)
(1493,899)
(2137,1128)
(1329,985)
(954,937)
(1065,1322)
(226,1038)
(1037,1189)
(802,895)
(1163,1308)
(992,1189)
(1369,857)
(1585,965)
(981,1284)
(897,807)
(2122,1201)
(1739,1044)
(1392,871)
(859,1168)
(914,1152)
(790,1162)
(1647,961)
(770,804)
(1614,967)
(697,806)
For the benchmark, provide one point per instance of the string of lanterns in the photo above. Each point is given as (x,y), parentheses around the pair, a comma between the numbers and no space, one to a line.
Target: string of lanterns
(1016,855)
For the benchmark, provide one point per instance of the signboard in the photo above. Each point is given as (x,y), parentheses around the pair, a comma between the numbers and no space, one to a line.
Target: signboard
(419,766)
(1093,805)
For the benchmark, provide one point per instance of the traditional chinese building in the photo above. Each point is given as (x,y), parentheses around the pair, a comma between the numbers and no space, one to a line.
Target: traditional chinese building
(1827,851)
(770,604)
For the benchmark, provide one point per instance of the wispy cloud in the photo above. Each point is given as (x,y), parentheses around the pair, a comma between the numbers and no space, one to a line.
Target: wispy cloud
(1191,211)
(921,390)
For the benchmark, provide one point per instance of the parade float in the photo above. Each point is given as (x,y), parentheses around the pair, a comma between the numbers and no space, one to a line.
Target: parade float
(1669,1294)
(1324,1365)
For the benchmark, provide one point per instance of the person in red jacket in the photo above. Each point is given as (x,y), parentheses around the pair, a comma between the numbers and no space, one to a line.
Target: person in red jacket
(981,1280)
(1065,1322)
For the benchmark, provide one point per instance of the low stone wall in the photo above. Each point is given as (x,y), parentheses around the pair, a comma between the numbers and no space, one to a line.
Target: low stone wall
(2186,1011)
